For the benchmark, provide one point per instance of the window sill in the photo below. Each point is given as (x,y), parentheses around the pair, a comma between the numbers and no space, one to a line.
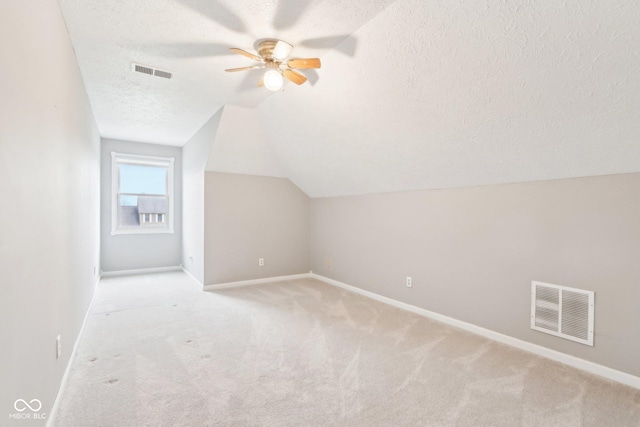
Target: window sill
(141,231)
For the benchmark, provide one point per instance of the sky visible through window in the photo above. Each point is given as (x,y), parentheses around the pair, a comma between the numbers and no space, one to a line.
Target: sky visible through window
(139,179)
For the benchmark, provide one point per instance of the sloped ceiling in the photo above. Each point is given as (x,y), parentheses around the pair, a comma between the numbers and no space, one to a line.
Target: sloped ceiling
(239,145)
(190,38)
(412,94)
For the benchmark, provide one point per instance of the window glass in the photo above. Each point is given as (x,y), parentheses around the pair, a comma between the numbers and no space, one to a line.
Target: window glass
(143,179)
(142,194)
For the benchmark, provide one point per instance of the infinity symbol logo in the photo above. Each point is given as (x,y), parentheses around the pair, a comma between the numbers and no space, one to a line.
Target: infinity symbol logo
(26,405)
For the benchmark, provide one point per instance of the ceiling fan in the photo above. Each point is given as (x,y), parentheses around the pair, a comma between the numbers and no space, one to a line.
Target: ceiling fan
(272,55)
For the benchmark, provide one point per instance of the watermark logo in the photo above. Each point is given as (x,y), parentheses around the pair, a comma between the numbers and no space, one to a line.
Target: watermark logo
(21,405)
(28,410)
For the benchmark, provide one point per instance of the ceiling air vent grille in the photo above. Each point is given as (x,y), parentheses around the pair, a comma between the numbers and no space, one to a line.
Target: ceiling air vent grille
(562,311)
(164,74)
(151,71)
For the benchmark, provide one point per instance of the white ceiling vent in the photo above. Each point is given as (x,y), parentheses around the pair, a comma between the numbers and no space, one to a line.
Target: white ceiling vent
(562,311)
(151,71)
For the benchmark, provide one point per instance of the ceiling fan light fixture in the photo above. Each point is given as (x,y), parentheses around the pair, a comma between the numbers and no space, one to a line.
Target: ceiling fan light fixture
(272,55)
(281,50)
(273,80)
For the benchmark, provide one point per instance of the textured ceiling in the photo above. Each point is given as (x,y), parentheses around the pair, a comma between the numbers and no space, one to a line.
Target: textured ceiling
(191,38)
(412,94)
(463,93)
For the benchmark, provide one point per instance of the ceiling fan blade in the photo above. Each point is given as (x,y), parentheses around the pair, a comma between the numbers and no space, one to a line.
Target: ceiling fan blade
(294,77)
(304,63)
(245,53)
(261,81)
(233,70)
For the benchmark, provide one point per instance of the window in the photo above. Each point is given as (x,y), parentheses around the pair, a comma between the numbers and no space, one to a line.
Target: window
(142,194)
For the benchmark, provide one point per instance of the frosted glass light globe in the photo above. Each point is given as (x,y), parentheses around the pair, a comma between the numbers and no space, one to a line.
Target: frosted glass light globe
(273,80)
(281,50)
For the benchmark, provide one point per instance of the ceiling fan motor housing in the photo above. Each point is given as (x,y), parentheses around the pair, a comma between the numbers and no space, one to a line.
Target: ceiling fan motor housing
(265,48)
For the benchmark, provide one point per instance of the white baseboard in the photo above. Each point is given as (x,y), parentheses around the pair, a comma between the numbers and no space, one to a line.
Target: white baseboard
(584,365)
(188,273)
(256,281)
(140,271)
(65,377)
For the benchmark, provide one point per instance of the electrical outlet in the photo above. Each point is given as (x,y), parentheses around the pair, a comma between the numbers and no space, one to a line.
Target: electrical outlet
(409,282)
(329,263)
(261,262)
(58,347)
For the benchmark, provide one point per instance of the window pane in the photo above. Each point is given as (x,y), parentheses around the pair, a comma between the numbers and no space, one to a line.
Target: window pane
(128,200)
(143,179)
(143,197)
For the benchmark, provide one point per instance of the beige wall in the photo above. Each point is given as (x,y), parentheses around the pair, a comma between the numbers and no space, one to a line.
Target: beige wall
(249,217)
(473,252)
(49,203)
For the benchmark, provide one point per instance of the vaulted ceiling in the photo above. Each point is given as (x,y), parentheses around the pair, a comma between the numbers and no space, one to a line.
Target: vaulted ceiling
(412,94)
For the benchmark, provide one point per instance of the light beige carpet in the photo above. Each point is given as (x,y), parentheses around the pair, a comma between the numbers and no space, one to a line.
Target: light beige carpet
(157,351)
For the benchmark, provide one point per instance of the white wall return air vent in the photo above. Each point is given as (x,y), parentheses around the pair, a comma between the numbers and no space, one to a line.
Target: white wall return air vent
(151,71)
(562,311)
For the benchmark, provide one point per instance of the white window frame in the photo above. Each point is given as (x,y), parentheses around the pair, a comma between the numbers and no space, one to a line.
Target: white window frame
(136,159)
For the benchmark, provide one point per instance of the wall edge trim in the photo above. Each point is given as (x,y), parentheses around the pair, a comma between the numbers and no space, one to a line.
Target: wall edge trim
(256,281)
(67,371)
(188,273)
(575,362)
(140,271)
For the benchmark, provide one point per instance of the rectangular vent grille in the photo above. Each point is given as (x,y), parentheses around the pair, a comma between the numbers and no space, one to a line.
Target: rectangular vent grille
(151,71)
(164,74)
(562,311)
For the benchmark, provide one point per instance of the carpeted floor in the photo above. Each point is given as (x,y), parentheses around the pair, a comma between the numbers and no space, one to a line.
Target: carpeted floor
(157,351)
